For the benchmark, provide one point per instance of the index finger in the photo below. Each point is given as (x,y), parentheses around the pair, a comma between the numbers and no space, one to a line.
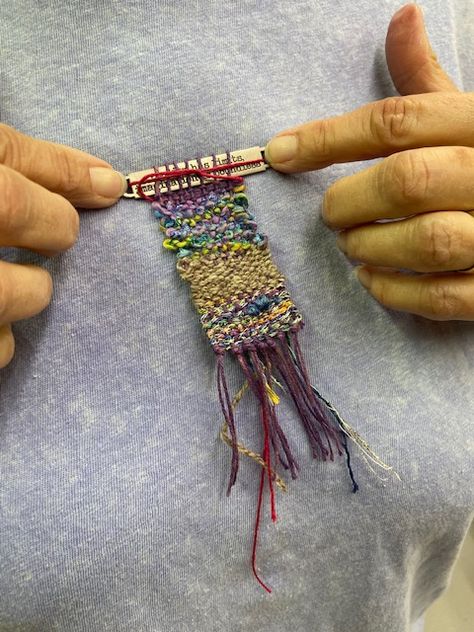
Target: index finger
(375,130)
(83,179)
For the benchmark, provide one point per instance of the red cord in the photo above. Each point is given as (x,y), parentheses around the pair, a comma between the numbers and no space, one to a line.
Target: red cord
(255,533)
(266,458)
(203,173)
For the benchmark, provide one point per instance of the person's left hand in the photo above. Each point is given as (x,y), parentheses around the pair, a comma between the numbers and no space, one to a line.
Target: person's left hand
(426,182)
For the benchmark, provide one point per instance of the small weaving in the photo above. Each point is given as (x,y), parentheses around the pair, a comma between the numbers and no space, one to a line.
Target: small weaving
(246,312)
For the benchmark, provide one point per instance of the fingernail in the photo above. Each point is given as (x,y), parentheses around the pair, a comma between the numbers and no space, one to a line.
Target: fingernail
(281,148)
(107,182)
(364,277)
(341,241)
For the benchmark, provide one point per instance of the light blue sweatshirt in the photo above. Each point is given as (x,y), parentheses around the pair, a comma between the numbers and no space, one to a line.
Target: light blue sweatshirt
(113,513)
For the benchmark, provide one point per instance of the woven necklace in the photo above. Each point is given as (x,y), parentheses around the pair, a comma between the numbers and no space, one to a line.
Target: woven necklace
(245,311)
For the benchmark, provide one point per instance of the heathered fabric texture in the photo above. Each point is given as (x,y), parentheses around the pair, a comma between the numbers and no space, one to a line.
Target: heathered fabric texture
(113,514)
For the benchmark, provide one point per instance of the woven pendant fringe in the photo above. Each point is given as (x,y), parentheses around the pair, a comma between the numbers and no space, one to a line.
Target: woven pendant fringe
(259,362)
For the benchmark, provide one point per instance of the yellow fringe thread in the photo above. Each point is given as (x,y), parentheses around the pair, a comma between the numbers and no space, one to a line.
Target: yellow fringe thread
(224,434)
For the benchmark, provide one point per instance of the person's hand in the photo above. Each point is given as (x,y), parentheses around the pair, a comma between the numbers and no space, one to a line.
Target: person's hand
(426,182)
(40,183)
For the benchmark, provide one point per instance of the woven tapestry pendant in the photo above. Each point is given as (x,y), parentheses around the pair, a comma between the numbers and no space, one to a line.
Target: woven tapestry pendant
(244,307)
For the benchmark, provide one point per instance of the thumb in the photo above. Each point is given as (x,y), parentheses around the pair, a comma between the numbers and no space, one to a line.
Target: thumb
(411,61)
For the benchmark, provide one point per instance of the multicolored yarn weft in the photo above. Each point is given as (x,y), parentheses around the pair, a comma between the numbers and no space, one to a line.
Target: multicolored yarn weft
(246,311)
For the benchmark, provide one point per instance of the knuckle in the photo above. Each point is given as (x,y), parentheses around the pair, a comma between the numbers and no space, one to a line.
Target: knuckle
(392,120)
(7,348)
(69,176)
(322,139)
(329,204)
(405,179)
(11,197)
(10,145)
(438,240)
(443,301)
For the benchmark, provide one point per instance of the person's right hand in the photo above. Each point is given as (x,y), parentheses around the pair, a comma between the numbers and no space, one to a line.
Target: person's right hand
(40,183)
(423,263)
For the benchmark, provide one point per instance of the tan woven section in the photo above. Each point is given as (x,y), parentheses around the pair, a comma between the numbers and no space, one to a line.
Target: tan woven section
(218,278)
